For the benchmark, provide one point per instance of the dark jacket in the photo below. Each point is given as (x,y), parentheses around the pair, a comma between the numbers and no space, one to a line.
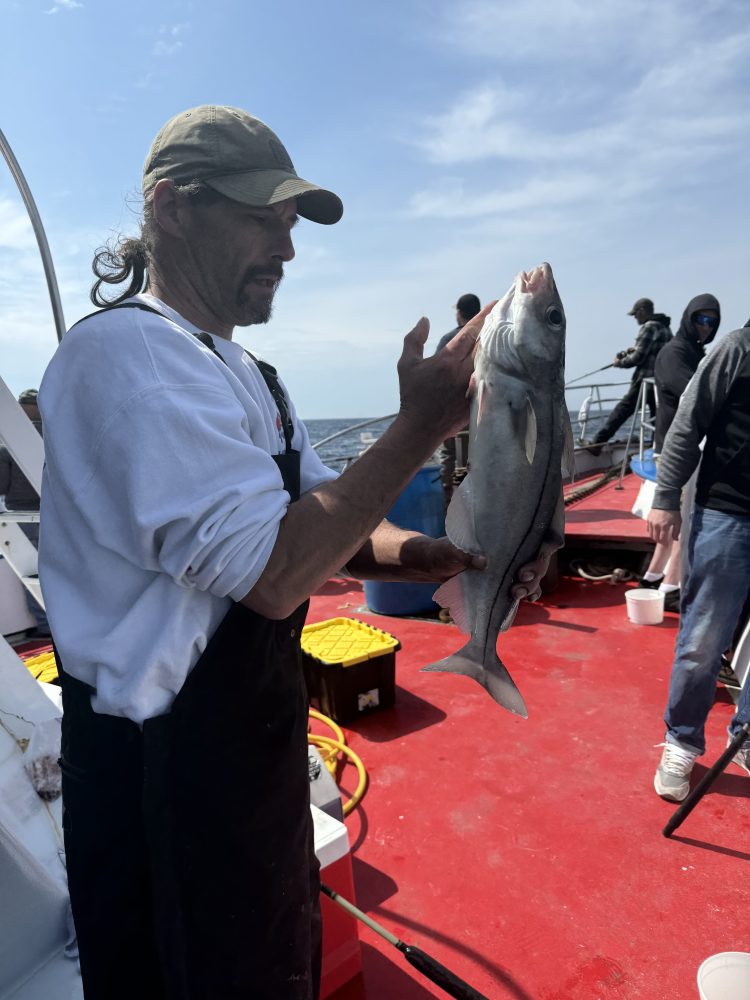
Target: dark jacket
(676,364)
(14,486)
(651,339)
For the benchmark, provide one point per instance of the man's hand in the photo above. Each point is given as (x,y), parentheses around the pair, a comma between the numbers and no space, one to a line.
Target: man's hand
(664,525)
(446,561)
(441,559)
(434,390)
(529,577)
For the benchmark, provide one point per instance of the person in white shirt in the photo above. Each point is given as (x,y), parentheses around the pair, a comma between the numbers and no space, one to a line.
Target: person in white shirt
(186,522)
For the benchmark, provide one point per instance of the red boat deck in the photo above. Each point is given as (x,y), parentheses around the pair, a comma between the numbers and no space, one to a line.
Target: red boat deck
(527,855)
(604,516)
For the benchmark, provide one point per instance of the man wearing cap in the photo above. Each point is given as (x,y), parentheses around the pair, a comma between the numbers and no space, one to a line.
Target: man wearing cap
(187,521)
(653,334)
(20,495)
(466,308)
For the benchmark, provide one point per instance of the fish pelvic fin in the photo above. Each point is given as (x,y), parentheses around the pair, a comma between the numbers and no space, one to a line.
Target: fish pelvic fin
(487,670)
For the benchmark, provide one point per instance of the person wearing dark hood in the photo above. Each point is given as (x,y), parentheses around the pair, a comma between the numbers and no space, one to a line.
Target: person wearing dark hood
(653,334)
(675,365)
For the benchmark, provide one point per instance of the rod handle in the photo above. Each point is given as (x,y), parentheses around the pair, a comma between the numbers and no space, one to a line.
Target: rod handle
(439,975)
(705,783)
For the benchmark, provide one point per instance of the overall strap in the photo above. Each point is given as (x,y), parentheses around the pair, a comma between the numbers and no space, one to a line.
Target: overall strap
(268,372)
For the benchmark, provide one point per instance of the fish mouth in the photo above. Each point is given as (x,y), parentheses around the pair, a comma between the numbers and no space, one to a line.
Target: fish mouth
(535,280)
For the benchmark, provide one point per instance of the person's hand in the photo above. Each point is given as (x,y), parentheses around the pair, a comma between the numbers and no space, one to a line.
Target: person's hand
(529,577)
(664,525)
(434,390)
(616,362)
(439,559)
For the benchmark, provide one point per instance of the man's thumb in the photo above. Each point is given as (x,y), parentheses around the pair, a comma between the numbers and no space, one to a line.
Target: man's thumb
(416,338)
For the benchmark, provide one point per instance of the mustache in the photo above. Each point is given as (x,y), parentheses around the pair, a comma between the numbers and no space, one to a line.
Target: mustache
(271,270)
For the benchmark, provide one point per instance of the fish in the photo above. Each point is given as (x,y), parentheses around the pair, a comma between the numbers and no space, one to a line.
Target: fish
(511,501)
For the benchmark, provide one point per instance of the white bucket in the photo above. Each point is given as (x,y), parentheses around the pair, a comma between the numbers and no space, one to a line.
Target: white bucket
(725,976)
(645,607)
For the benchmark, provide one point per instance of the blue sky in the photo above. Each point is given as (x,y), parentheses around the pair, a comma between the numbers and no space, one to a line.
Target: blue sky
(468,140)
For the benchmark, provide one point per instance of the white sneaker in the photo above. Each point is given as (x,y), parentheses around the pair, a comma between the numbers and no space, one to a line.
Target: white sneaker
(672,778)
(742,757)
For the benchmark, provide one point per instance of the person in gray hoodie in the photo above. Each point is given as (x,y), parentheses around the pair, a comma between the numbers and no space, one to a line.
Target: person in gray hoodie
(715,406)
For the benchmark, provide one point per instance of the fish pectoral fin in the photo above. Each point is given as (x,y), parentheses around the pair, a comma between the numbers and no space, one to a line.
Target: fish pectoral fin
(451,595)
(510,616)
(530,432)
(459,520)
(483,665)
(568,457)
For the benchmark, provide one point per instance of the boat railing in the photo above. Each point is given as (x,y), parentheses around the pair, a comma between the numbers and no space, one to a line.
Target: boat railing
(348,459)
(646,426)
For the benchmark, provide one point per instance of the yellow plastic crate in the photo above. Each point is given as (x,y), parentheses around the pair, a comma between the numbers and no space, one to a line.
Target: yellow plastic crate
(346,641)
(350,667)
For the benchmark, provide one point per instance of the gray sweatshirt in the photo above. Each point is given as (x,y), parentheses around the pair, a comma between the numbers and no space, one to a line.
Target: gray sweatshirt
(715,405)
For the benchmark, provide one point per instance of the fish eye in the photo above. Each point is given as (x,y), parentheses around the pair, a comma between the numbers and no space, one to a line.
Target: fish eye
(554,318)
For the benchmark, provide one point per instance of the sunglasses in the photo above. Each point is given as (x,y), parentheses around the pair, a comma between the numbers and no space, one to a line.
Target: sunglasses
(700,319)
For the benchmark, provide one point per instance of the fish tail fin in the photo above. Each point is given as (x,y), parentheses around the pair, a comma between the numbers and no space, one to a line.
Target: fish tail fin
(486,669)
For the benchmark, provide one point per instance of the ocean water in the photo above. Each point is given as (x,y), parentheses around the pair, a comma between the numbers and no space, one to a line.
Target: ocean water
(350,444)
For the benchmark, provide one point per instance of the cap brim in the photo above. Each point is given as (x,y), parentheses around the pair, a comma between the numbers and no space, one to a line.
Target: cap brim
(266,187)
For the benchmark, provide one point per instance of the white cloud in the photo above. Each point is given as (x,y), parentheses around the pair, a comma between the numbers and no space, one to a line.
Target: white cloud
(59,5)
(15,229)
(671,105)
(170,42)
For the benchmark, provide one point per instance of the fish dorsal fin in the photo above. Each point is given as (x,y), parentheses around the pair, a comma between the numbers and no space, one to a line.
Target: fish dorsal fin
(459,521)
(568,455)
(451,595)
(530,436)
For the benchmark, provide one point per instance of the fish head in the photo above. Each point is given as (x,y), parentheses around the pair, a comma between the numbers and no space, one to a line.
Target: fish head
(525,331)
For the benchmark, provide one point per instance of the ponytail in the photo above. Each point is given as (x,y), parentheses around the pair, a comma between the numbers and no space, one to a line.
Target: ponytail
(127,260)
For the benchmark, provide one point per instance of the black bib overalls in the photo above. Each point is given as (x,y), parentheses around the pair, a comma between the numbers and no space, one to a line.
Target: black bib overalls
(189,840)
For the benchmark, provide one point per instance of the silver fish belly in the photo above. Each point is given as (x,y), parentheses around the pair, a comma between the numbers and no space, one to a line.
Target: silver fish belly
(510,503)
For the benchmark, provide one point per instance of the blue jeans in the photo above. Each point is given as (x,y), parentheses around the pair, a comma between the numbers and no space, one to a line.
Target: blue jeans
(711,602)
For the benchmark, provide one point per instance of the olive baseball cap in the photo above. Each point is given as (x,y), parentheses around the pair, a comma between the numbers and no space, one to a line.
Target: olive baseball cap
(646,304)
(238,156)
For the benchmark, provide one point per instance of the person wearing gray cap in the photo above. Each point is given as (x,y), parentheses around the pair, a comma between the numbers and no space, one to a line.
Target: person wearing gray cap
(653,334)
(187,521)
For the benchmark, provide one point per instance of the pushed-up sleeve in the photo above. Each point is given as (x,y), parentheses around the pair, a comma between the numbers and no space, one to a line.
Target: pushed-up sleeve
(178,487)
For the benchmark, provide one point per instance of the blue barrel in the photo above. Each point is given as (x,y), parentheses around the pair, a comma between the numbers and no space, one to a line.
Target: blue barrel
(419,508)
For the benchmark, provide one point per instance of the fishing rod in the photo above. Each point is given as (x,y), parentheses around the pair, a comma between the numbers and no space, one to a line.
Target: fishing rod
(588,374)
(706,781)
(424,963)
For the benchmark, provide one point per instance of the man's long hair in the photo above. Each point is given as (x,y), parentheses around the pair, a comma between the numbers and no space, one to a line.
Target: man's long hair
(128,258)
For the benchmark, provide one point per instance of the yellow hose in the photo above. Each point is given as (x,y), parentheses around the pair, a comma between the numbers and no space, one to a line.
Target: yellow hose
(330,748)
(44,668)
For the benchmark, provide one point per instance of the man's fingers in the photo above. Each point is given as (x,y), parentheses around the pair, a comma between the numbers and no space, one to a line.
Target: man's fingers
(415,340)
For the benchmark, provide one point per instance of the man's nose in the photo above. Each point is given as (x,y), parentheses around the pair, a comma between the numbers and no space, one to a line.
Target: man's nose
(284,249)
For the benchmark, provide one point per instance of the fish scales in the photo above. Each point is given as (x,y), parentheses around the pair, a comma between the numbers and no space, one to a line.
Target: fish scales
(510,504)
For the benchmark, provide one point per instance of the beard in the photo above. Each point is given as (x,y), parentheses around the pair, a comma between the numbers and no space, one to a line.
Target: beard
(256,302)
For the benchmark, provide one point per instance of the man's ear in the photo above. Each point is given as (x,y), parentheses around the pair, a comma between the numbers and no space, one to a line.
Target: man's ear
(167,208)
